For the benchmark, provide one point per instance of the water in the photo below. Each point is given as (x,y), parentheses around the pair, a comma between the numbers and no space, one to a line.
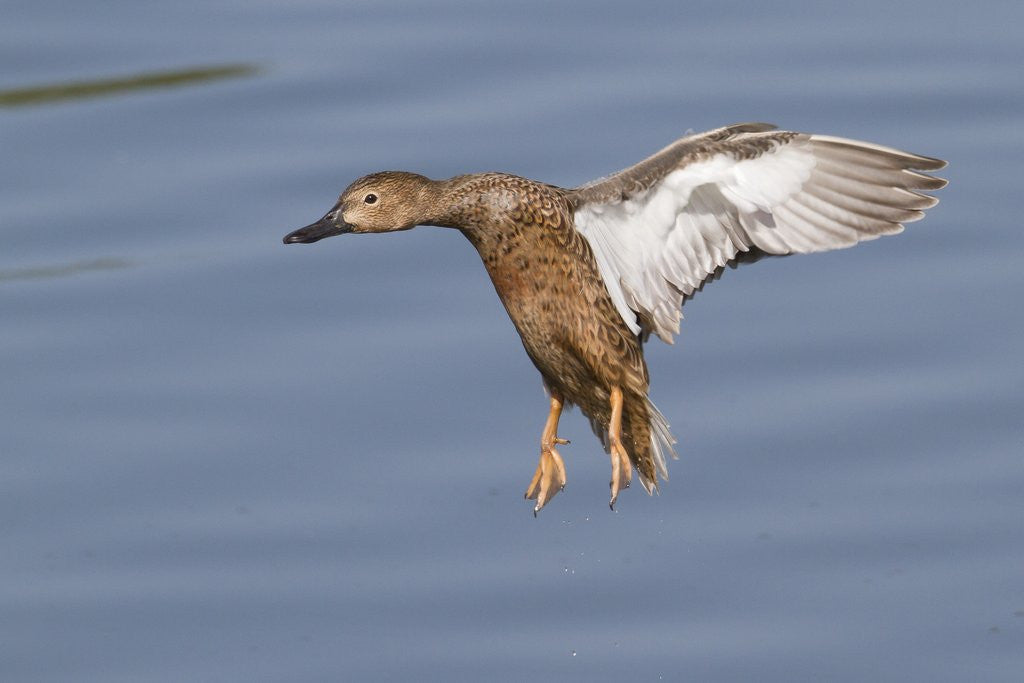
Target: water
(226,459)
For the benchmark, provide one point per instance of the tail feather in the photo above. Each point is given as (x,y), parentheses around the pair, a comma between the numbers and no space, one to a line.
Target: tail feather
(652,430)
(661,445)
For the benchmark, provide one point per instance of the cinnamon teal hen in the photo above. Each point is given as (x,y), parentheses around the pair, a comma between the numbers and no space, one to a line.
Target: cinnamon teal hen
(588,274)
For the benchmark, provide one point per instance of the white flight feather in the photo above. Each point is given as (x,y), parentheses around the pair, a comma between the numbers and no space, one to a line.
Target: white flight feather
(660,244)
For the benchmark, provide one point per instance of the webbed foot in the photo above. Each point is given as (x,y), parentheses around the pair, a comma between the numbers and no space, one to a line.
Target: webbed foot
(549,478)
(622,471)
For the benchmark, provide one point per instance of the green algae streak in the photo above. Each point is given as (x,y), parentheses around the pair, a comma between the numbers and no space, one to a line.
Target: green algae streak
(74,90)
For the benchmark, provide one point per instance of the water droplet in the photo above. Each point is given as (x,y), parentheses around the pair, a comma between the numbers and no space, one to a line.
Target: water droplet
(574,653)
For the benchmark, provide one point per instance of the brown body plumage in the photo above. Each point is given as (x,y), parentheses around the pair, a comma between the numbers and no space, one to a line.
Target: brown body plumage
(584,332)
(545,275)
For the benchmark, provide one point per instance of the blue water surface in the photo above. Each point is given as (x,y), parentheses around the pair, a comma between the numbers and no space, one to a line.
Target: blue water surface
(224,459)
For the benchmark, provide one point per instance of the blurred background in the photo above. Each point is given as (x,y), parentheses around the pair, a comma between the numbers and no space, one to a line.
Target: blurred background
(226,459)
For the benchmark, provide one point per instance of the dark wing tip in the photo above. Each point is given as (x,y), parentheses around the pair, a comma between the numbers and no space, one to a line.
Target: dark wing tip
(935,183)
(751,127)
(923,163)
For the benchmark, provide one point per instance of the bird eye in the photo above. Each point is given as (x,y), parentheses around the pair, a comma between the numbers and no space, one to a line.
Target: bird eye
(370,198)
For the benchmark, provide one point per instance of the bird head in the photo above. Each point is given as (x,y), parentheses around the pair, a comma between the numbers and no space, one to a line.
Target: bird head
(380,202)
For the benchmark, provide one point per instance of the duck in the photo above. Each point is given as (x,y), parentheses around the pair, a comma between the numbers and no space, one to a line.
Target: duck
(588,274)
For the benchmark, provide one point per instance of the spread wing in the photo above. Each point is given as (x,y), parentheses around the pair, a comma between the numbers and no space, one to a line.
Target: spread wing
(661,229)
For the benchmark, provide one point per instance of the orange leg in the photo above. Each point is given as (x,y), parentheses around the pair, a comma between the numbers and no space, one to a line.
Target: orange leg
(549,478)
(622,472)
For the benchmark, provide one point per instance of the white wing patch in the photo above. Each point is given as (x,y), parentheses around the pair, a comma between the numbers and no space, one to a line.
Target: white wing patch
(811,193)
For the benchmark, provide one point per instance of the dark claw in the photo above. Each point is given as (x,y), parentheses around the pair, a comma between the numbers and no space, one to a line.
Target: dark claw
(535,513)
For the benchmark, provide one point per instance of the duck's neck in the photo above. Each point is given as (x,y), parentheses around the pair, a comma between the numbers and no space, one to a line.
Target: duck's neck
(470,203)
